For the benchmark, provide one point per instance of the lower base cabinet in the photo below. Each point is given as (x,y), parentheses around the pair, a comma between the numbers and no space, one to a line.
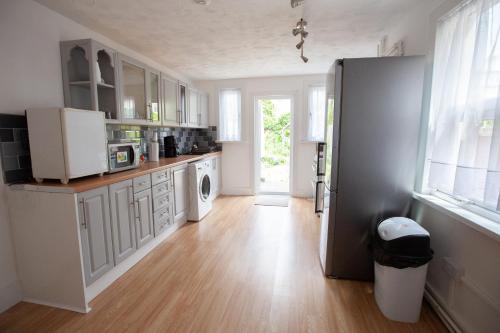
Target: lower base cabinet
(144,217)
(121,204)
(95,233)
(181,190)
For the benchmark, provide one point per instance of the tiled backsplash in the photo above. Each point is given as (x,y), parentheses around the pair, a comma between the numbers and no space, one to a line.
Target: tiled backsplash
(16,162)
(185,137)
(14,142)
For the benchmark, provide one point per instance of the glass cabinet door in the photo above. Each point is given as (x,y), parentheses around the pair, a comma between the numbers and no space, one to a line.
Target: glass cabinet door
(134,92)
(154,97)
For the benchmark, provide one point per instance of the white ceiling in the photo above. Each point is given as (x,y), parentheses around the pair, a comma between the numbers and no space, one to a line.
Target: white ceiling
(238,38)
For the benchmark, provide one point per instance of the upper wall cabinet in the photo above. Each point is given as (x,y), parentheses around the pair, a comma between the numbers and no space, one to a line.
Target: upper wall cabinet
(170,115)
(182,103)
(90,76)
(96,77)
(193,114)
(139,92)
(203,109)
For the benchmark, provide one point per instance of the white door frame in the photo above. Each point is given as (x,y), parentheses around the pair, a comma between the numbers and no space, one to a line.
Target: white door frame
(292,95)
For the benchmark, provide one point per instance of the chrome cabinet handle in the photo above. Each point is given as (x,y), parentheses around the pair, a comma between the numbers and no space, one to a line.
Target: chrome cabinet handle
(84,218)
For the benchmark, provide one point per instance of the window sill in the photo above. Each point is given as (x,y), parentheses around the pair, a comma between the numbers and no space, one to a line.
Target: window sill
(482,224)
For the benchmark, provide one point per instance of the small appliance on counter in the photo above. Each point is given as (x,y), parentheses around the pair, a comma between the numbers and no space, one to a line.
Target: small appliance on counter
(170,146)
(66,143)
(123,156)
(154,149)
(195,150)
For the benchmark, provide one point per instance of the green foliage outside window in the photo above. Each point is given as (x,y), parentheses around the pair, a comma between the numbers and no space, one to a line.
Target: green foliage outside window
(276,135)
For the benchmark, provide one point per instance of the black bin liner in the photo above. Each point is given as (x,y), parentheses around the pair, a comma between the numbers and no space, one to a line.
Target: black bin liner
(402,252)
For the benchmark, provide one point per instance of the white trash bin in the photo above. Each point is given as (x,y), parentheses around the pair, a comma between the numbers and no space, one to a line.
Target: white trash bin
(402,251)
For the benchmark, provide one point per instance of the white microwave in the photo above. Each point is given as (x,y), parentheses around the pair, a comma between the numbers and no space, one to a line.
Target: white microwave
(123,156)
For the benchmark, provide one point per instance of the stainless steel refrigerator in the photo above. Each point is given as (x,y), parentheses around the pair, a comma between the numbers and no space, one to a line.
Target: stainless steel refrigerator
(373,110)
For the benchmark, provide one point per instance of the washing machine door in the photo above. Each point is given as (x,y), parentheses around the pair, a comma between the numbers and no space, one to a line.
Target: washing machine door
(205,187)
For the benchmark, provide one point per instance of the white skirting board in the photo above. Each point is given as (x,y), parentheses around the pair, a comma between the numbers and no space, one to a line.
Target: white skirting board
(10,295)
(448,321)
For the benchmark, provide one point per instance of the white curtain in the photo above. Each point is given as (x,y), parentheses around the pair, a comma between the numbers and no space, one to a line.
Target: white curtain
(230,115)
(464,145)
(316,111)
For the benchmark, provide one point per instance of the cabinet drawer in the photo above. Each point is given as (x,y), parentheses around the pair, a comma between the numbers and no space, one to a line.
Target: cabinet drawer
(160,176)
(161,202)
(161,189)
(142,183)
(162,225)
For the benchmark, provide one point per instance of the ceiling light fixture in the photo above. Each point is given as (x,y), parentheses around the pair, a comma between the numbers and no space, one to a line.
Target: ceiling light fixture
(203,2)
(300,29)
(296,3)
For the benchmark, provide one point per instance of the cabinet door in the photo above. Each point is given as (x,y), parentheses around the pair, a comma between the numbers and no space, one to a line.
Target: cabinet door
(133,91)
(193,115)
(122,219)
(95,233)
(153,96)
(203,101)
(182,103)
(170,116)
(180,177)
(144,217)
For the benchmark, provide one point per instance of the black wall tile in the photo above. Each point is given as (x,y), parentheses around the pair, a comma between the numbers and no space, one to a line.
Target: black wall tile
(13,121)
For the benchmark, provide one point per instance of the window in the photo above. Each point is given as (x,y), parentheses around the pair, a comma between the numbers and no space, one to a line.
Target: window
(230,115)
(316,113)
(463,154)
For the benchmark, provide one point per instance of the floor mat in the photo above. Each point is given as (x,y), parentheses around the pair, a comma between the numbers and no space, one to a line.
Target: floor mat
(272,200)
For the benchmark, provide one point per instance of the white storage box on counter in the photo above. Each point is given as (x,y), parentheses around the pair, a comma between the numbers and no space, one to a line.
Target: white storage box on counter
(66,143)
(402,252)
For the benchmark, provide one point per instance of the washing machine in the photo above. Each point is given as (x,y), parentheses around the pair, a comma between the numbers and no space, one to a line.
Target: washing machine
(200,190)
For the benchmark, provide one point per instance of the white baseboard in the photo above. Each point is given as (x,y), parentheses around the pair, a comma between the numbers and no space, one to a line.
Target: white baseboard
(447,320)
(237,191)
(10,295)
(57,305)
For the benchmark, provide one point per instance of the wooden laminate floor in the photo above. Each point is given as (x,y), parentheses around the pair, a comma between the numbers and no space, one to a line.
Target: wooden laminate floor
(244,268)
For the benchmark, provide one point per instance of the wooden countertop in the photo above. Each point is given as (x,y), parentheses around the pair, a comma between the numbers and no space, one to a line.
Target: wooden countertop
(91,182)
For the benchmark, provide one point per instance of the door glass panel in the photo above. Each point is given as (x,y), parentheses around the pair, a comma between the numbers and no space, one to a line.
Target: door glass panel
(134,95)
(154,82)
(274,145)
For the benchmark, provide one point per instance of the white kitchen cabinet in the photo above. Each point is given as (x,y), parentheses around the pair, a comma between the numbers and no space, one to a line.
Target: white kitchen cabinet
(144,227)
(121,204)
(170,115)
(95,233)
(68,260)
(181,190)
(203,109)
(182,103)
(139,92)
(193,114)
(216,176)
(89,77)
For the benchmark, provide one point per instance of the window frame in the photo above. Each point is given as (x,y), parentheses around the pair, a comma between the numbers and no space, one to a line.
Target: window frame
(308,122)
(422,188)
(219,120)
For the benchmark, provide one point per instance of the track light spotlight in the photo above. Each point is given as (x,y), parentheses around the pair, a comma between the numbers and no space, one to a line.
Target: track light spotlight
(304,34)
(304,58)
(296,31)
(299,45)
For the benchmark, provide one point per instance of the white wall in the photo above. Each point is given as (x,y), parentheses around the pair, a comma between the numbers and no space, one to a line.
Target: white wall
(238,158)
(30,68)
(474,302)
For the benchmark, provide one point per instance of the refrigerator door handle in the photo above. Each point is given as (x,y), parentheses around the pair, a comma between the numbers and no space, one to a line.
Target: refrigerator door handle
(319,204)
